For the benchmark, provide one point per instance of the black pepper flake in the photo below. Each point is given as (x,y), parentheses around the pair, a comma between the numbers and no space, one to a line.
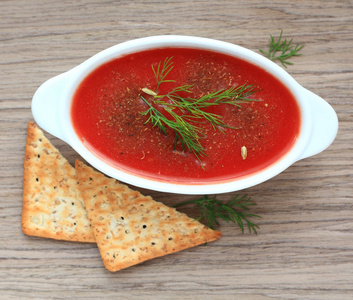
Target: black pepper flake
(153,243)
(144,226)
(37,179)
(122,218)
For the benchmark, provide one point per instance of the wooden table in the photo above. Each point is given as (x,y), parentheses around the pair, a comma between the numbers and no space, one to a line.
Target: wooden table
(304,247)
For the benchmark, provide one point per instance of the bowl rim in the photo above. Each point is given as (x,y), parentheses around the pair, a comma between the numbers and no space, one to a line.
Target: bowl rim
(75,76)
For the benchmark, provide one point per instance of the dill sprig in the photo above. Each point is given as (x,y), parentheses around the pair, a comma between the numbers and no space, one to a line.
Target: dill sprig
(186,112)
(233,96)
(161,74)
(187,134)
(285,48)
(233,211)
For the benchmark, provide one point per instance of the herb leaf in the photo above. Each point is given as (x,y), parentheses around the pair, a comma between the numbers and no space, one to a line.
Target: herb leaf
(285,48)
(187,134)
(233,211)
(195,107)
(161,74)
(186,112)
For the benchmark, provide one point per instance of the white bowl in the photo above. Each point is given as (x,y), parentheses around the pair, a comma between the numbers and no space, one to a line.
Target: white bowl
(52,103)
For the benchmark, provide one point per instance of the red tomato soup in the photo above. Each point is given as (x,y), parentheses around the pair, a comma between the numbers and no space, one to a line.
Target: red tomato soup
(106,115)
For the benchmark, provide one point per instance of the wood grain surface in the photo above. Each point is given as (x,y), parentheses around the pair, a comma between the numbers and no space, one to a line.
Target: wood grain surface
(304,247)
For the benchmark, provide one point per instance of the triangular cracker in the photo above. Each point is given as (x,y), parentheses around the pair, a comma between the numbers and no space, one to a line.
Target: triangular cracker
(52,202)
(131,228)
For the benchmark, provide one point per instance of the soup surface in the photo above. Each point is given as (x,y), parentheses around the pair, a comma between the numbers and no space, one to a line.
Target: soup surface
(107,106)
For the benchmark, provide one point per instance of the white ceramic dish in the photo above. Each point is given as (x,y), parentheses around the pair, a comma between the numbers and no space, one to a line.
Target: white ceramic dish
(52,101)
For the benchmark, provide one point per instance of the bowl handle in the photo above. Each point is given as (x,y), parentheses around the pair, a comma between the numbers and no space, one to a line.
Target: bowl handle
(324,125)
(46,103)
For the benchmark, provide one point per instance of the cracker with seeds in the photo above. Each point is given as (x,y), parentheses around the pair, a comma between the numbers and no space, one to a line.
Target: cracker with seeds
(131,228)
(52,202)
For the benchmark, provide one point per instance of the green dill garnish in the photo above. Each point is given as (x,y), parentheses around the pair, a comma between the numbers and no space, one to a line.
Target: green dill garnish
(233,211)
(187,134)
(181,113)
(161,74)
(282,50)
(195,107)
